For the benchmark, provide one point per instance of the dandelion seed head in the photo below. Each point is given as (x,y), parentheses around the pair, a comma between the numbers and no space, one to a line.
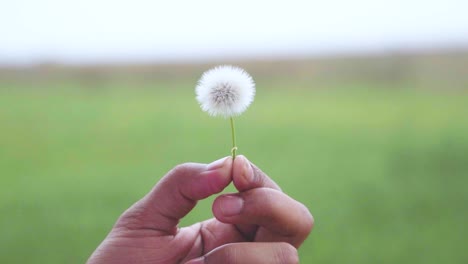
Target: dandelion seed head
(225,91)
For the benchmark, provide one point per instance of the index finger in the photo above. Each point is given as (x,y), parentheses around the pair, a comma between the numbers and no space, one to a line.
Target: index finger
(247,176)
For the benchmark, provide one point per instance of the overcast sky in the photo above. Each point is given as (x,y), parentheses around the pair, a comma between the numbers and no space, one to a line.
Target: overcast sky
(87,31)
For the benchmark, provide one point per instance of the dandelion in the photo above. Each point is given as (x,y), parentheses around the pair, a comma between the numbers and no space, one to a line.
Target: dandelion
(226,91)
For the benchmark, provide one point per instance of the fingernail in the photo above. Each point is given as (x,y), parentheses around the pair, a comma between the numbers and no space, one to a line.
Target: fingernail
(200,260)
(247,169)
(231,205)
(216,164)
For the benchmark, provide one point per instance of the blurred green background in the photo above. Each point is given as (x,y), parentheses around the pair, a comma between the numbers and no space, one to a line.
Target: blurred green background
(378,153)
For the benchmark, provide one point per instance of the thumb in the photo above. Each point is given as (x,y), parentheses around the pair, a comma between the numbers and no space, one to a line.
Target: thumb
(175,195)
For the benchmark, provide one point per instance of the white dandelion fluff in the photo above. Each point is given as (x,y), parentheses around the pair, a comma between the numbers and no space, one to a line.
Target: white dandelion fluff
(225,91)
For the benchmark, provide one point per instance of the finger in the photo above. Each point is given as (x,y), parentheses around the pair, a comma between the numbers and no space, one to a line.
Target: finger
(285,218)
(250,253)
(246,176)
(176,194)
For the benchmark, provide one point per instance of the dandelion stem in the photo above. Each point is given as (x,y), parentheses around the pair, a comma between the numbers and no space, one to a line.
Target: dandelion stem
(234,147)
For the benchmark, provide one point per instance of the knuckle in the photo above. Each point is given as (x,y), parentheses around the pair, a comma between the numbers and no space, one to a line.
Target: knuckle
(132,218)
(181,169)
(287,254)
(258,175)
(260,178)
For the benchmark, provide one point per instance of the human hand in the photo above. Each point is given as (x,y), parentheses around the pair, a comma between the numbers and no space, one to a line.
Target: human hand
(259,224)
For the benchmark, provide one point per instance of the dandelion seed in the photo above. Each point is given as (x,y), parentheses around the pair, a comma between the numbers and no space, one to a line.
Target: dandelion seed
(225,91)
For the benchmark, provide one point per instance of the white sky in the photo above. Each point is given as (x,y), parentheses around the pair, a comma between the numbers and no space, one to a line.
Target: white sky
(86,31)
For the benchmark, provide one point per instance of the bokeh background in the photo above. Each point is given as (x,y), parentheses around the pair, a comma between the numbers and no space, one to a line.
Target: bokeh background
(361,114)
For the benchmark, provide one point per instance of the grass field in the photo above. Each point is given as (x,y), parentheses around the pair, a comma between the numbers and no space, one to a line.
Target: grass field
(384,171)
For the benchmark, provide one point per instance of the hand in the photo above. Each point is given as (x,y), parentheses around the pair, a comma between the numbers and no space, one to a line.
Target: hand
(259,224)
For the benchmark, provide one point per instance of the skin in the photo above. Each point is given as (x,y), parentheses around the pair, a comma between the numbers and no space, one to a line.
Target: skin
(258,224)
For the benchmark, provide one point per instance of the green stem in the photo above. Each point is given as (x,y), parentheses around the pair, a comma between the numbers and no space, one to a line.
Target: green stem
(234,147)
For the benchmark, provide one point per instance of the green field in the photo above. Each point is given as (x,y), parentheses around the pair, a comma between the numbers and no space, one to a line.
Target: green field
(383,171)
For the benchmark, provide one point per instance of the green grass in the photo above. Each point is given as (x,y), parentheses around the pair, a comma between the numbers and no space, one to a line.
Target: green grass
(384,172)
